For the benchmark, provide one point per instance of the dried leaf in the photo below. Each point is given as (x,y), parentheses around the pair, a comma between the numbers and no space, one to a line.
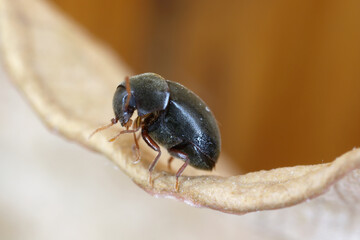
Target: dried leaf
(69,79)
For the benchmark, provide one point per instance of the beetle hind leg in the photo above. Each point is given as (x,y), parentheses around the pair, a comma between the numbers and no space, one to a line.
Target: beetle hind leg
(198,159)
(180,154)
(192,155)
(179,172)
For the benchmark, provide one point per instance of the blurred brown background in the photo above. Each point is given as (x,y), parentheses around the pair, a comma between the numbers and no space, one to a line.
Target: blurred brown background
(282,77)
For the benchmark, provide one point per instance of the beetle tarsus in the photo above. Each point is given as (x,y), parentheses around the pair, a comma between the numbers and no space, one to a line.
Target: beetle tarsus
(177,185)
(169,162)
(113,121)
(137,149)
(122,132)
(179,172)
(150,180)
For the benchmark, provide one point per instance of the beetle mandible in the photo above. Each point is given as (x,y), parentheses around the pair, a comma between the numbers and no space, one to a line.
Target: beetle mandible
(169,115)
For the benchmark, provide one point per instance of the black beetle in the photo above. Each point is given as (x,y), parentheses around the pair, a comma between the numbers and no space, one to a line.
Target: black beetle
(169,115)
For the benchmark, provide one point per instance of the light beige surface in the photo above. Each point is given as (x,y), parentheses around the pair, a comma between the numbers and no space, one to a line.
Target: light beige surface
(55,189)
(69,80)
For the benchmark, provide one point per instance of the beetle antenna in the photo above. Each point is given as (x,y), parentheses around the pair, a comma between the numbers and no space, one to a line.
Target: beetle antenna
(113,121)
(127,83)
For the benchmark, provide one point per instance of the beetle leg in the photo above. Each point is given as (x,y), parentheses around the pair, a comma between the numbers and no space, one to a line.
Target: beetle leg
(155,147)
(137,149)
(113,121)
(137,123)
(179,172)
(122,132)
(181,155)
(138,137)
(128,124)
(171,158)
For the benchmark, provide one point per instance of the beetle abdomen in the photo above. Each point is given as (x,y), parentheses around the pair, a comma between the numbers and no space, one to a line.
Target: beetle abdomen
(197,158)
(194,120)
(188,121)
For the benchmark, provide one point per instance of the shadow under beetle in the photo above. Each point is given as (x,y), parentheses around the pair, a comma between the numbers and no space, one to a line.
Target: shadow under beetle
(169,115)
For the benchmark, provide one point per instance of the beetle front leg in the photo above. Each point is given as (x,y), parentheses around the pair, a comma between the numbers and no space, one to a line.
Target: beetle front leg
(155,147)
(134,130)
(113,121)
(135,147)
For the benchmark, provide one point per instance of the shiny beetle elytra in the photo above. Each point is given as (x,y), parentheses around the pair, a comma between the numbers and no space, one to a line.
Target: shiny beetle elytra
(169,115)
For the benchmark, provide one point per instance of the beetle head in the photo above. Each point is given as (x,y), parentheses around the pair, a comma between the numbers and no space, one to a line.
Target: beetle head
(123,108)
(148,93)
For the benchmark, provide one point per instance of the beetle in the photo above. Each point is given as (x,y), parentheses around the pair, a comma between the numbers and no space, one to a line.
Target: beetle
(169,115)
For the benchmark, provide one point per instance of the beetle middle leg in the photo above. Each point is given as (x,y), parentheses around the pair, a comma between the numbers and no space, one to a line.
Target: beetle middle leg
(155,147)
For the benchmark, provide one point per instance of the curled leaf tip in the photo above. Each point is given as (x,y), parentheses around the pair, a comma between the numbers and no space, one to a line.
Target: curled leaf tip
(75,102)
